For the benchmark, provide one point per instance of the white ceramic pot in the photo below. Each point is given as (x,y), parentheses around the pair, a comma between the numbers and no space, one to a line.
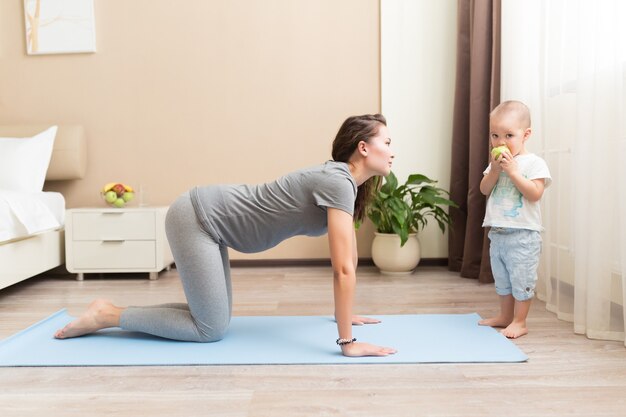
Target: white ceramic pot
(391,258)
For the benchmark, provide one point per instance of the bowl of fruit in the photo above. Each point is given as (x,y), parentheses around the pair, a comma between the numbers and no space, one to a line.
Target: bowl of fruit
(117,194)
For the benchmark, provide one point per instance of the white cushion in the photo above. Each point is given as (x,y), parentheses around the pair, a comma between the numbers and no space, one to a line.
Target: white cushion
(24,161)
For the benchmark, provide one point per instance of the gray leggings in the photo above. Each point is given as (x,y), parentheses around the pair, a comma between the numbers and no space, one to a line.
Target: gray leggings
(205,274)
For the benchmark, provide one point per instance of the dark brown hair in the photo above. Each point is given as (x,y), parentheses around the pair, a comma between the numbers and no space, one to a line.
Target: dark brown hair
(354,130)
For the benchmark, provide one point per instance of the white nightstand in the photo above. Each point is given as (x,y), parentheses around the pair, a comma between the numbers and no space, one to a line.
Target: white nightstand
(116,240)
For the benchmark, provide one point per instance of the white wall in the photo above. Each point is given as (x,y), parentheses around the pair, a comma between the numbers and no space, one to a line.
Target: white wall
(418,62)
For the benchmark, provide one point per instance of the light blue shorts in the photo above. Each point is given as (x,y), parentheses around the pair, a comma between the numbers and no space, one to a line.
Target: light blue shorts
(514,255)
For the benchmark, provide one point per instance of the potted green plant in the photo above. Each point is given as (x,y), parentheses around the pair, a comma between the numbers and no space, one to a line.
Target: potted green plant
(399,212)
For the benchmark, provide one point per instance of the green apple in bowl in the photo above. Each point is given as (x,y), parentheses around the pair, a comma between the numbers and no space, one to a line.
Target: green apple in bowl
(499,150)
(110,196)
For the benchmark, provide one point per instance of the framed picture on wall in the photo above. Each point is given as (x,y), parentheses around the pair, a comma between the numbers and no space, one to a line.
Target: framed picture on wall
(59,26)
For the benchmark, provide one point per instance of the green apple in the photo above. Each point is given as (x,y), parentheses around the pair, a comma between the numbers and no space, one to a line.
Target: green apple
(110,196)
(119,203)
(496,152)
(127,196)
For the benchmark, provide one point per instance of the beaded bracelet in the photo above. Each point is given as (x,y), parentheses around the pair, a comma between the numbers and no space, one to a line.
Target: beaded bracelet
(342,342)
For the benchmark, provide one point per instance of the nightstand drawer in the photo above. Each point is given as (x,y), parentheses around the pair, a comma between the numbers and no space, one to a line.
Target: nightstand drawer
(112,225)
(109,255)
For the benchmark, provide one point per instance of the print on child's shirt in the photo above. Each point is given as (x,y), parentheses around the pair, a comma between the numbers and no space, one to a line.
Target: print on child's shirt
(506,197)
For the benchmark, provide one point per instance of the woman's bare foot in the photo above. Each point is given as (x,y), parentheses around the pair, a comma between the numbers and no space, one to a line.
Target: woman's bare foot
(99,315)
(497,321)
(515,330)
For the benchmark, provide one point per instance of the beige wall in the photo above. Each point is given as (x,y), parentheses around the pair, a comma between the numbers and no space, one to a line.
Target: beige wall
(418,42)
(199,92)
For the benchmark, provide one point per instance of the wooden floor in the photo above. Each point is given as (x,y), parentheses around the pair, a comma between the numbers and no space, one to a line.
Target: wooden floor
(567,374)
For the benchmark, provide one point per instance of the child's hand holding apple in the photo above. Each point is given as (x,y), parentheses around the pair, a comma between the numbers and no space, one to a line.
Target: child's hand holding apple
(498,151)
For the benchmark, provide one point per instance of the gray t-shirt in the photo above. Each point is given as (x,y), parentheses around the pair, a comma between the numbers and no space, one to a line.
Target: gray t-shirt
(253,218)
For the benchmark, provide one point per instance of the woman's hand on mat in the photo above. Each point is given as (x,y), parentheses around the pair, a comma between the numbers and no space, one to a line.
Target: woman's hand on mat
(365,349)
(359,321)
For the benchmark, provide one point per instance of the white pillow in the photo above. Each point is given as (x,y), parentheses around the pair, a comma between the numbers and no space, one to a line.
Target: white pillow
(24,161)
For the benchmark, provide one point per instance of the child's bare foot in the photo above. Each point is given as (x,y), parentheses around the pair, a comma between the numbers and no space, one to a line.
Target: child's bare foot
(497,321)
(99,315)
(515,330)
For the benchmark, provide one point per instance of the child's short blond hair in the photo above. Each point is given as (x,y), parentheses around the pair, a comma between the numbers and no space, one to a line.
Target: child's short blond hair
(515,107)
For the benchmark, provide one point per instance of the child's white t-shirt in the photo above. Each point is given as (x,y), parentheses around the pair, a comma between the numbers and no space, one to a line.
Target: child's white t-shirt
(507,207)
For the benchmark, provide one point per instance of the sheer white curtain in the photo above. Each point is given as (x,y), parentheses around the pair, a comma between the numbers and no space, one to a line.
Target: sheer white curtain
(567,60)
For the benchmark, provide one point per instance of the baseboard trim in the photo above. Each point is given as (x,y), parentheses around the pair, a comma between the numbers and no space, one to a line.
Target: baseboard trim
(252,263)
(320,262)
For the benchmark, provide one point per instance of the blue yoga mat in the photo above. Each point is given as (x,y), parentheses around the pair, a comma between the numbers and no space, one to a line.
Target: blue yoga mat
(421,338)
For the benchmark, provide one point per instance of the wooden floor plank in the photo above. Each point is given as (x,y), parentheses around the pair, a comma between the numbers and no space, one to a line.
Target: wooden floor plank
(566,374)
